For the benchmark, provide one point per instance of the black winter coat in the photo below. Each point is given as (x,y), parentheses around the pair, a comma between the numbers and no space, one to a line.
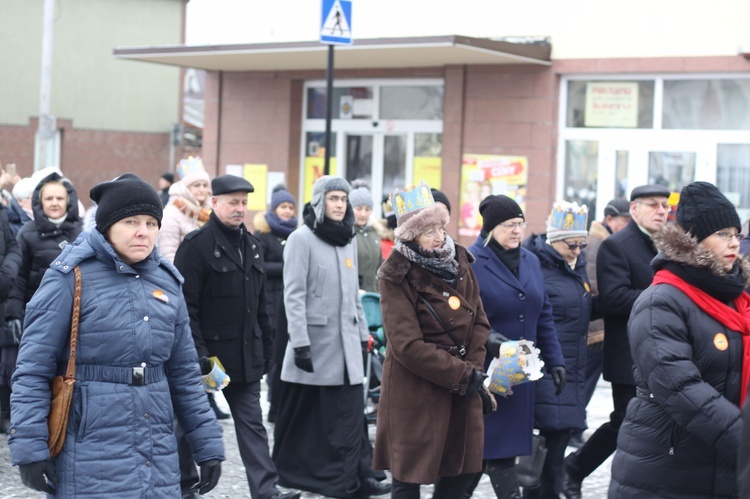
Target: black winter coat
(226,300)
(273,263)
(10,262)
(40,241)
(681,433)
(623,271)
(570,295)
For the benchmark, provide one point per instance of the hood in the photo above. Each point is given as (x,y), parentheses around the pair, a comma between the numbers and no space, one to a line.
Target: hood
(537,244)
(676,245)
(179,189)
(42,222)
(261,224)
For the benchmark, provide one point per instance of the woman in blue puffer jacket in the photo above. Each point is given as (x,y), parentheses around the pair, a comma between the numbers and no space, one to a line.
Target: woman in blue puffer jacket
(119,440)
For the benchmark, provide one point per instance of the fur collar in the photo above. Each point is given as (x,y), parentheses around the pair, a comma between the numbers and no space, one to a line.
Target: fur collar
(385,232)
(678,246)
(598,230)
(260,224)
(395,268)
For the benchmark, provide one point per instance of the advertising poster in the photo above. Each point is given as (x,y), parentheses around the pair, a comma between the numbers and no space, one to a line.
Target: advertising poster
(611,104)
(482,175)
(256,175)
(429,169)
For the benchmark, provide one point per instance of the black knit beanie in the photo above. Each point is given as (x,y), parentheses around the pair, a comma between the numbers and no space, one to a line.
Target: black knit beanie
(497,209)
(440,197)
(703,210)
(123,197)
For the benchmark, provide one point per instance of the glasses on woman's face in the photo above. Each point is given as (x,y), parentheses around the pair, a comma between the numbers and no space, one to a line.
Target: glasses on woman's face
(727,236)
(513,225)
(575,246)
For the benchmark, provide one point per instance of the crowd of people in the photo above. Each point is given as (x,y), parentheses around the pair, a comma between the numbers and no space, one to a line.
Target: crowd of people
(165,286)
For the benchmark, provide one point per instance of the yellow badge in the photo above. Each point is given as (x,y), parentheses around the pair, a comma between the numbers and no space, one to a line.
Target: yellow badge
(349,263)
(454,302)
(587,287)
(720,341)
(159,295)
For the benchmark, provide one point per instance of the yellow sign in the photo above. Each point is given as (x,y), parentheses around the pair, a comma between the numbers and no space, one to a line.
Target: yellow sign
(429,169)
(314,168)
(611,104)
(256,175)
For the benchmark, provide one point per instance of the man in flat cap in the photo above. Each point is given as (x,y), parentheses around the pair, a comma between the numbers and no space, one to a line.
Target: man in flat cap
(224,290)
(623,272)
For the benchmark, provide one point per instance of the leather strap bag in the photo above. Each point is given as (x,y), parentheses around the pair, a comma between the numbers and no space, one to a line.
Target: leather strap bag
(529,468)
(62,386)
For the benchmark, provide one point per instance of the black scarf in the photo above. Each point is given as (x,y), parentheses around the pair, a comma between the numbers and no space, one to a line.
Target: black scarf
(725,288)
(335,233)
(511,258)
(279,227)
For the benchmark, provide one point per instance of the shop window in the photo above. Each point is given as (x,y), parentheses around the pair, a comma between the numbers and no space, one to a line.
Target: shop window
(428,152)
(672,169)
(348,102)
(733,175)
(581,164)
(411,103)
(706,104)
(622,161)
(394,162)
(610,104)
(359,158)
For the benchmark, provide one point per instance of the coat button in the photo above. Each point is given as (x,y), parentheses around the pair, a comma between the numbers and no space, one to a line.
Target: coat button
(145,318)
(471,312)
(145,415)
(137,276)
(148,464)
(521,296)
(451,321)
(650,395)
(122,268)
(65,267)
(456,388)
(521,318)
(12,431)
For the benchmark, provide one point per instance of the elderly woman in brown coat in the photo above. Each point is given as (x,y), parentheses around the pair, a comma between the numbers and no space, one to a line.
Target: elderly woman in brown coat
(430,427)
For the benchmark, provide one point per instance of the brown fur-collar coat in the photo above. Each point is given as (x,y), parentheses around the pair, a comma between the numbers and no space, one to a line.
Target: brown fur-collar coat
(426,426)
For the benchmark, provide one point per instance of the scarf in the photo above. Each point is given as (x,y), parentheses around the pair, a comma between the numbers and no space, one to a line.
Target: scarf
(200,215)
(280,228)
(511,258)
(334,233)
(736,319)
(441,261)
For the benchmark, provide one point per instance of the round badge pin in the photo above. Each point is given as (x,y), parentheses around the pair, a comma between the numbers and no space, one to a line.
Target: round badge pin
(454,302)
(721,342)
(349,263)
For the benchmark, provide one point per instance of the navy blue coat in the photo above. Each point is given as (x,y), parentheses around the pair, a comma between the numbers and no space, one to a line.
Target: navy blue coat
(517,308)
(120,437)
(570,295)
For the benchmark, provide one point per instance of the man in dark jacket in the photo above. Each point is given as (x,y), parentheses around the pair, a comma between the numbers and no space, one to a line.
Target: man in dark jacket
(222,264)
(623,272)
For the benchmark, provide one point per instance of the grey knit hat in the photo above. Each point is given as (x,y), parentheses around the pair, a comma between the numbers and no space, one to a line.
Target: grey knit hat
(360,196)
(323,186)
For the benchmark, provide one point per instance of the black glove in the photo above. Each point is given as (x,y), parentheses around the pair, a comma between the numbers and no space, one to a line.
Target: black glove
(475,383)
(303,359)
(15,329)
(494,340)
(33,476)
(366,346)
(267,365)
(210,473)
(488,403)
(559,378)
(205,365)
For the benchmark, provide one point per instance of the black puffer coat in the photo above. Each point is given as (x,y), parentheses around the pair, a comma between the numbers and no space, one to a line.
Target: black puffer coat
(681,433)
(569,293)
(273,263)
(40,242)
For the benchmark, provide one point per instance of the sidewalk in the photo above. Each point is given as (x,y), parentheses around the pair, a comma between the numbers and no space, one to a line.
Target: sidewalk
(233,483)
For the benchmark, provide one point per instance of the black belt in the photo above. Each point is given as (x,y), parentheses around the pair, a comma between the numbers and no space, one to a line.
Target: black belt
(135,376)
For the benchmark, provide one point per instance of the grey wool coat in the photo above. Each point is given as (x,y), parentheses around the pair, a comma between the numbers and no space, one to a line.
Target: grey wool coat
(323,310)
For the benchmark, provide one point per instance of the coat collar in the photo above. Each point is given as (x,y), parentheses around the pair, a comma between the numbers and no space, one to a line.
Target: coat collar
(397,266)
(250,248)
(492,264)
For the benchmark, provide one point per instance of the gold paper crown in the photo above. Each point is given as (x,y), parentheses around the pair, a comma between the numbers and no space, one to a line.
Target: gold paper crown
(412,198)
(189,165)
(569,216)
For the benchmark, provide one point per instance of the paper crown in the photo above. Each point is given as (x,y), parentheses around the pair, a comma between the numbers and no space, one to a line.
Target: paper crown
(569,216)
(189,165)
(217,379)
(411,199)
(518,363)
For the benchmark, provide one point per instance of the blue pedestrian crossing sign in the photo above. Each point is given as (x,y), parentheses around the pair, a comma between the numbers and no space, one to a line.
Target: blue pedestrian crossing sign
(336,22)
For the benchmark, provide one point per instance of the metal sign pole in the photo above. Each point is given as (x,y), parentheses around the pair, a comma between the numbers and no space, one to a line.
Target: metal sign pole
(329,110)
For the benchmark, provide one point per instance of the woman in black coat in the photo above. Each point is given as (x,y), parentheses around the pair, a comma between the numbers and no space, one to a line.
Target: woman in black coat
(688,333)
(56,223)
(556,413)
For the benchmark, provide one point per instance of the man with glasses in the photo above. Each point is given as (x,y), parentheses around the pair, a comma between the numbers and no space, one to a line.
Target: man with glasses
(623,272)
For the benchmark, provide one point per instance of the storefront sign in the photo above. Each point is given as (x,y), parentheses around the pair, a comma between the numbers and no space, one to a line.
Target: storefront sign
(429,169)
(611,104)
(256,175)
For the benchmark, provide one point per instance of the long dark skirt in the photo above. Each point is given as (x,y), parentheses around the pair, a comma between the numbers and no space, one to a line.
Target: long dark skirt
(319,440)
(8,358)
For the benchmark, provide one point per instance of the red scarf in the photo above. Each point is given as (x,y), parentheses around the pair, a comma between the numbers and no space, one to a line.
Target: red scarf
(736,319)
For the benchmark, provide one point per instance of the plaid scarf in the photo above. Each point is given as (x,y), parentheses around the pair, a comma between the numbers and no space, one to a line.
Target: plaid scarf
(441,261)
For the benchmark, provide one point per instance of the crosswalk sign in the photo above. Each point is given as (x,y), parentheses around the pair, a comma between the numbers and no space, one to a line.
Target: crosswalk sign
(336,22)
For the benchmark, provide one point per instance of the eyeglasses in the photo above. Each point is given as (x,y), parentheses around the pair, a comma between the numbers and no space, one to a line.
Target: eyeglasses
(574,246)
(727,236)
(514,225)
(654,205)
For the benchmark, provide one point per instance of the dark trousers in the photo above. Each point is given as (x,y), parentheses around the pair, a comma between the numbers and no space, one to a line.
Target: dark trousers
(603,442)
(452,487)
(552,472)
(594,363)
(252,439)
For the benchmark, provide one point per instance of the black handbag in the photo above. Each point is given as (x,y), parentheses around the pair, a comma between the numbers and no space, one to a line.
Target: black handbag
(529,468)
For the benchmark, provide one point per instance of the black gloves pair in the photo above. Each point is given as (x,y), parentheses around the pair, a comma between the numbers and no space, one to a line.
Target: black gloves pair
(303,359)
(559,378)
(476,383)
(210,473)
(38,475)
(494,340)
